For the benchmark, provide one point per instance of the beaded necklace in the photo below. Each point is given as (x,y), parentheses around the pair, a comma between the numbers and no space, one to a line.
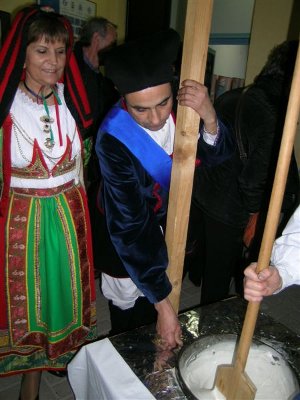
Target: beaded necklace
(49,143)
(18,128)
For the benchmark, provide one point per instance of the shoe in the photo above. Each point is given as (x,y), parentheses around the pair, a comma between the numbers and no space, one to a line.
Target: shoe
(58,374)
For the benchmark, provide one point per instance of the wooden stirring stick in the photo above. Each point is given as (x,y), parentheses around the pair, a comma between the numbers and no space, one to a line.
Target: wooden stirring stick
(231,380)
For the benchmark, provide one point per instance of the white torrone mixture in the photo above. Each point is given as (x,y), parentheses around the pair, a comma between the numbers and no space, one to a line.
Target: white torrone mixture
(266,368)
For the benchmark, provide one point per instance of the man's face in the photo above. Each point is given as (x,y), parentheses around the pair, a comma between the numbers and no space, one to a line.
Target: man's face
(111,36)
(151,107)
(110,39)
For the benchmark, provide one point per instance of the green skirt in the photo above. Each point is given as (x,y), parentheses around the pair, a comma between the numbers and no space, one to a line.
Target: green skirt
(49,285)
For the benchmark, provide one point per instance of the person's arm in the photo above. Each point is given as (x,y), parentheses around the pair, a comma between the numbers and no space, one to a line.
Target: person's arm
(286,258)
(167,327)
(286,252)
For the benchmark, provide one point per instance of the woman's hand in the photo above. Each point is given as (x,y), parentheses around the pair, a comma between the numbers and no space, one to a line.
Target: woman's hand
(256,286)
(167,327)
(195,95)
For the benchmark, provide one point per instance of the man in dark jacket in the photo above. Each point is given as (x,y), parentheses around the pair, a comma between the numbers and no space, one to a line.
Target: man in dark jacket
(97,35)
(235,193)
(134,145)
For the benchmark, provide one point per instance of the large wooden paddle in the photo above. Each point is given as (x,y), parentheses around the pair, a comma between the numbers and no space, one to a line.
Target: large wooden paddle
(231,380)
(196,36)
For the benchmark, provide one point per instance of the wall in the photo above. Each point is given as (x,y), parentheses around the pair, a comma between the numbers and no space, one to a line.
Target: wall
(177,18)
(12,6)
(230,60)
(270,27)
(232,16)
(230,32)
(273,22)
(114,10)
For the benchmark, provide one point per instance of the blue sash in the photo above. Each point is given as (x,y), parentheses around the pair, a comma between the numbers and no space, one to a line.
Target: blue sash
(153,158)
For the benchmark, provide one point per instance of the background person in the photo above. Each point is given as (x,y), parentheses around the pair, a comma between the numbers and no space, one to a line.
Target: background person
(134,145)
(97,35)
(47,294)
(284,270)
(236,193)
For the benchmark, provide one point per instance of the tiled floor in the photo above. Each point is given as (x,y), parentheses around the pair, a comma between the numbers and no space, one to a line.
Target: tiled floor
(284,307)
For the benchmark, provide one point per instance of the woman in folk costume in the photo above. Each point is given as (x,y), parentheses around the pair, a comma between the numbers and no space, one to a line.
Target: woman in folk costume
(47,294)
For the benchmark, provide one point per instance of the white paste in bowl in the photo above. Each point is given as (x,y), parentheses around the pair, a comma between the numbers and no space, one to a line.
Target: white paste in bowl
(266,368)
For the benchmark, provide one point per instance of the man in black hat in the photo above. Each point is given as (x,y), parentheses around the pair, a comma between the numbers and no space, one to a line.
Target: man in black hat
(134,147)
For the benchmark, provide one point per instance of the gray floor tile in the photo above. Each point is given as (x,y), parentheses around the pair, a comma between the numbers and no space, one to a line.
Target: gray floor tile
(11,393)
(10,381)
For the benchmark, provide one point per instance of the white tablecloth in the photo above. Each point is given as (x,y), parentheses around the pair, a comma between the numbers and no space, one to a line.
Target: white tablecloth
(98,372)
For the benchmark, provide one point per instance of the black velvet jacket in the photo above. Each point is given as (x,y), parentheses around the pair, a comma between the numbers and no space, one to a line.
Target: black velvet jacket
(135,210)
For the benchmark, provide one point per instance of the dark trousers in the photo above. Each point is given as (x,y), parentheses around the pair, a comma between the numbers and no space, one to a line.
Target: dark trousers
(143,313)
(213,255)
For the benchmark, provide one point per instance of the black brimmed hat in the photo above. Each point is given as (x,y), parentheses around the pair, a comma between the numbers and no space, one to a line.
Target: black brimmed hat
(143,63)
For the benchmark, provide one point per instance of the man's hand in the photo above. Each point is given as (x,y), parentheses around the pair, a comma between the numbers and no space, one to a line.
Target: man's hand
(167,327)
(195,95)
(256,286)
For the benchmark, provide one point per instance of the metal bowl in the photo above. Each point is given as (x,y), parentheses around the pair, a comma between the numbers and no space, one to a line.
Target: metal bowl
(190,354)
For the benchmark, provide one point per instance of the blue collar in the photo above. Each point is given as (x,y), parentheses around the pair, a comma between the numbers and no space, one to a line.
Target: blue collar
(153,158)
